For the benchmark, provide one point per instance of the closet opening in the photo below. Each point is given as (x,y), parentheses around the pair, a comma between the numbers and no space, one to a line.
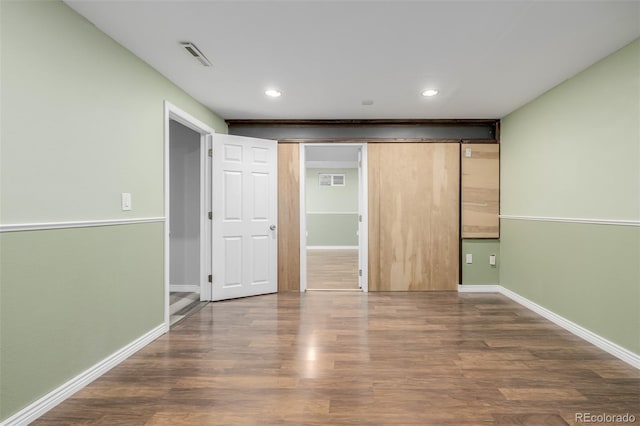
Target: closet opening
(187,201)
(185,212)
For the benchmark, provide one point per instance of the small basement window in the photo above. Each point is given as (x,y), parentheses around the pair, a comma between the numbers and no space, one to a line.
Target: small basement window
(327,179)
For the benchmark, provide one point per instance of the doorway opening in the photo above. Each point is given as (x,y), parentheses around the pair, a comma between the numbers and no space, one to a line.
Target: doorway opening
(333,217)
(187,228)
(185,211)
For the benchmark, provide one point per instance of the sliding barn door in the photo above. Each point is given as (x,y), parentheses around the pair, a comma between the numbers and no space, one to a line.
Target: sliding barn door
(414,216)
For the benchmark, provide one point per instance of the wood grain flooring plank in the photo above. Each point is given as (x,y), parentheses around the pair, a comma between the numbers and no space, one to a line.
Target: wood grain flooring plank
(332,269)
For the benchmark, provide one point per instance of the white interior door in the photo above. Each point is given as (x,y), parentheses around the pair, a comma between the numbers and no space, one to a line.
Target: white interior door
(245,213)
(363,219)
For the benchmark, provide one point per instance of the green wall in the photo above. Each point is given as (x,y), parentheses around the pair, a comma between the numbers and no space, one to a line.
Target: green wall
(332,230)
(324,226)
(575,153)
(72,297)
(585,273)
(82,121)
(332,198)
(480,271)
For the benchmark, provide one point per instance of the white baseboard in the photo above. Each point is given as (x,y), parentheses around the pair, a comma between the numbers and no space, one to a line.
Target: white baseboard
(332,247)
(184,288)
(480,288)
(55,397)
(618,351)
(614,349)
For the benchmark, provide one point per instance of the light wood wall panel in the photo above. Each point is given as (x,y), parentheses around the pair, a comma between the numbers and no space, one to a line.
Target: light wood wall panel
(414,216)
(373,176)
(481,191)
(288,217)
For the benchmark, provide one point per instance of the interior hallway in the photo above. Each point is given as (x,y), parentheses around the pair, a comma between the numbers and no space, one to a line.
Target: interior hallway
(421,358)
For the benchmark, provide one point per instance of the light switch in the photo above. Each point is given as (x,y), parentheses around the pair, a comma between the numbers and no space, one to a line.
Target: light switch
(492,259)
(467,152)
(126,201)
(469,258)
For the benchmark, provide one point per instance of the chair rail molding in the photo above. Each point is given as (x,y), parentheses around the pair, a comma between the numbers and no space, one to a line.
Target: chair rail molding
(38,226)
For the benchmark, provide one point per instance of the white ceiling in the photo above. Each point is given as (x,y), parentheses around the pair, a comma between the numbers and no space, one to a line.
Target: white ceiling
(487,58)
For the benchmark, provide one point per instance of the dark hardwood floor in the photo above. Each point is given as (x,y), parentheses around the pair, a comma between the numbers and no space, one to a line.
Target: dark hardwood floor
(352,359)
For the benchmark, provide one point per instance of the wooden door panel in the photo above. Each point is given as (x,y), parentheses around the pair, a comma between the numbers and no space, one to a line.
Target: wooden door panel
(374,164)
(288,217)
(414,216)
(481,191)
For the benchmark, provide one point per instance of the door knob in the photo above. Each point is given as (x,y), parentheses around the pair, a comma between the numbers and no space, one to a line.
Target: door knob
(272,227)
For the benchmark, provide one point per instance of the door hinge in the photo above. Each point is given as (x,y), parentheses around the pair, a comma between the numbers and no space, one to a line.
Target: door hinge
(210,215)
(359,272)
(210,278)
(210,152)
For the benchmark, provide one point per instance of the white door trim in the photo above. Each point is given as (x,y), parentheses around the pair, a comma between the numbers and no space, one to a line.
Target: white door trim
(172,112)
(302,180)
(364,211)
(363,228)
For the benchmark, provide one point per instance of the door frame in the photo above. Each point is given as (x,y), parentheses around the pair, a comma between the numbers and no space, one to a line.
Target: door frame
(172,112)
(363,207)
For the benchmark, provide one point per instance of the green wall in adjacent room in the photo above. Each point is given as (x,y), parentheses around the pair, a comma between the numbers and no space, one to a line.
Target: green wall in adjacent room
(574,153)
(332,230)
(480,271)
(332,211)
(82,121)
(332,198)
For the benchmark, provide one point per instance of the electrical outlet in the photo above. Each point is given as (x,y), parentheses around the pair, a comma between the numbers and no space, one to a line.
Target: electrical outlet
(492,259)
(469,258)
(126,201)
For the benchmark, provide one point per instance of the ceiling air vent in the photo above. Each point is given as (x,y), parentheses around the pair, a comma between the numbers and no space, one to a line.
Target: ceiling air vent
(196,53)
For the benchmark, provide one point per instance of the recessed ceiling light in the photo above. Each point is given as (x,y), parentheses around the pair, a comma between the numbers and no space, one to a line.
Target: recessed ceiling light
(430,92)
(273,93)
(367,102)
